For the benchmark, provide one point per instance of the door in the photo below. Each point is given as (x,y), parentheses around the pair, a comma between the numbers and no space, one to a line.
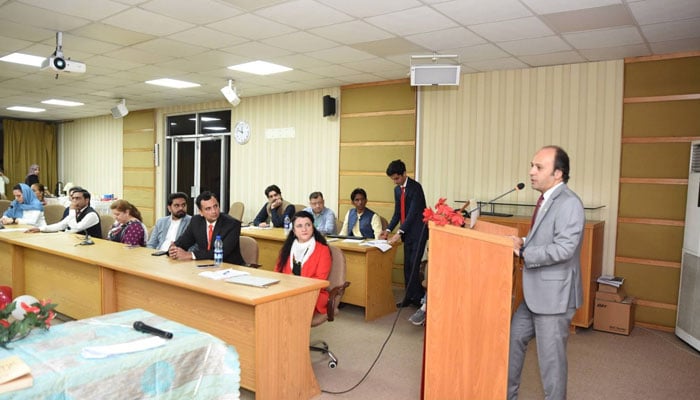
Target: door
(198,162)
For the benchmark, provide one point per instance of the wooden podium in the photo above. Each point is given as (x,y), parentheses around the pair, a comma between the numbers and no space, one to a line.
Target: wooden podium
(470,286)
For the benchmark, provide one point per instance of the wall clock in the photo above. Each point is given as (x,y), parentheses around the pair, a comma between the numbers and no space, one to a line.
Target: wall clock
(241,133)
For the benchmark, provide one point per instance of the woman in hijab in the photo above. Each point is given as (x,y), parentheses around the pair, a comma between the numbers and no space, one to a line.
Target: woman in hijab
(33,175)
(25,208)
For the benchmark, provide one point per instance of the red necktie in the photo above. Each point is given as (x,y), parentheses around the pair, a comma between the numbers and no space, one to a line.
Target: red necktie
(537,208)
(211,230)
(403,204)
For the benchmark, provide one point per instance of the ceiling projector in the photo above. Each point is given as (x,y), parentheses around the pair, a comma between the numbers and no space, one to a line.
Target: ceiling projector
(58,62)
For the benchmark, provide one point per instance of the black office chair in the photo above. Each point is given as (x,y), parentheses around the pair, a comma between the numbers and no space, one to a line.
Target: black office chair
(336,289)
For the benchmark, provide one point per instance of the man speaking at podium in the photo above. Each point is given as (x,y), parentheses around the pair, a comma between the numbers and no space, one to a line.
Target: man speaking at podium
(551,275)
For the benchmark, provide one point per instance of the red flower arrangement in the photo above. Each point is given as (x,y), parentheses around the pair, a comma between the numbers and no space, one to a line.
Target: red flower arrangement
(443,214)
(15,324)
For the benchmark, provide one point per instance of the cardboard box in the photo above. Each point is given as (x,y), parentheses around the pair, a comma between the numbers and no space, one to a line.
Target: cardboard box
(618,297)
(614,317)
(608,288)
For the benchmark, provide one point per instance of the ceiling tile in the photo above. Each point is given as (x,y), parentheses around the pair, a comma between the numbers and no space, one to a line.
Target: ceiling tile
(252,5)
(521,28)
(300,42)
(298,61)
(41,18)
(332,70)
(169,47)
(653,11)
(374,65)
(555,6)
(611,53)
(604,38)
(479,52)
(674,46)
(565,57)
(251,26)
(23,31)
(352,32)
(589,19)
(414,20)
(256,51)
(89,9)
(341,54)
(370,8)
(112,34)
(549,44)
(202,36)
(661,32)
(473,12)
(196,12)
(147,22)
(388,47)
(446,38)
(304,14)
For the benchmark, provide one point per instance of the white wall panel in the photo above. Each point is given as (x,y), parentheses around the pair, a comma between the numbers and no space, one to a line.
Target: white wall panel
(90,154)
(478,139)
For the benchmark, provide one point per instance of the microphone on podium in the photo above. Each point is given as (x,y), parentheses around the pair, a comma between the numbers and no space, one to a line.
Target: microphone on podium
(519,186)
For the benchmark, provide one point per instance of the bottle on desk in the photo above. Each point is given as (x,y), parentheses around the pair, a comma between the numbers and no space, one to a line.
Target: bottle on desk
(218,251)
(287,225)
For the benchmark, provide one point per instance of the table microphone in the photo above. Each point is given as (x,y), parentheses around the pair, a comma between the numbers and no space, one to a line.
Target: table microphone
(141,327)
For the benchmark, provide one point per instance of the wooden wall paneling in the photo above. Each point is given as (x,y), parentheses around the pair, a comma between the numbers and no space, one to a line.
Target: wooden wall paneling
(138,174)
(661,105)
(378,125)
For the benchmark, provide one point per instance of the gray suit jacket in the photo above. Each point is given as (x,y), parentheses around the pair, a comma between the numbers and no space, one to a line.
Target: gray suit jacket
(552,273)
(161,230)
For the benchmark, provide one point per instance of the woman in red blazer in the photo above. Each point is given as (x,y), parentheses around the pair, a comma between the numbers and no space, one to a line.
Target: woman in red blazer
(306,253)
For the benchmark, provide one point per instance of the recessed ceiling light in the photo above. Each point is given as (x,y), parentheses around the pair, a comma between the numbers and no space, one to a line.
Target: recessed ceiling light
(26,109)
(173,83)
(25,59)
(67,103)
(260,68)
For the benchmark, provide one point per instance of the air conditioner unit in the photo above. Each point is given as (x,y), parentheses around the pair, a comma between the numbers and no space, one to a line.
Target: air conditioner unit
(688,313)
(435,75)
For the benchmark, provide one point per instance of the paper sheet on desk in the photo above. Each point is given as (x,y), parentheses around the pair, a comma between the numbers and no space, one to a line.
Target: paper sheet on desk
(222,274)
(6,229)
(382,245)
(356,241)
(123,348)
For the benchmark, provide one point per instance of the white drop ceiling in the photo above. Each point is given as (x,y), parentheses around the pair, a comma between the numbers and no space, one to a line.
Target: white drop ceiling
(328,43)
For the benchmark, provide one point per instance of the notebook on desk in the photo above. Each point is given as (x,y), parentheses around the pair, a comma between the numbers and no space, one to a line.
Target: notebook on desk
(250,280)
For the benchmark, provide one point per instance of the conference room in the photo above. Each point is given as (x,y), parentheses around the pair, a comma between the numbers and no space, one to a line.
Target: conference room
(611,82)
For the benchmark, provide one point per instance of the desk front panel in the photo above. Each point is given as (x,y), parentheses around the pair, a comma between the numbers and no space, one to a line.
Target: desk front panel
(75,286)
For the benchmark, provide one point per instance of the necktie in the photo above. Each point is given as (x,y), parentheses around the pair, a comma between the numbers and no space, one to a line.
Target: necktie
(403,204)
(537,208)
(211,230)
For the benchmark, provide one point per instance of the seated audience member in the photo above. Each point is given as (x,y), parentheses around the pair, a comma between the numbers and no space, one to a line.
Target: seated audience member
(361,221)
(274,210)
(25,208)
(40,192)
(202,231)
(324,218)
(70,199)
(306,253)
(170,227)
(128,226)
(80,219)
(32,176)
(4,180)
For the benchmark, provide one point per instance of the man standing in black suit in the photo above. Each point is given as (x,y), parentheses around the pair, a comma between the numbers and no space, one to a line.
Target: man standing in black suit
(409,203)
(202,231)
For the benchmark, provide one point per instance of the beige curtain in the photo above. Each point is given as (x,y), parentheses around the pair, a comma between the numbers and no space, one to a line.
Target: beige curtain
(27,143)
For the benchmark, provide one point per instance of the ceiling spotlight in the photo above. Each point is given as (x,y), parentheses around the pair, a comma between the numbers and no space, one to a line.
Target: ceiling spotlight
(120,110)
(231,93)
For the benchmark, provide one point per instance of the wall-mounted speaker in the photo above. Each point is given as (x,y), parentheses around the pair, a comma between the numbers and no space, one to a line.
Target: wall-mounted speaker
(120,110)
(328,105)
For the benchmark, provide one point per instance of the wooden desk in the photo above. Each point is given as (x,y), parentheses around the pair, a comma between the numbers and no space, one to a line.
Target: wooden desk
(591,263)
(368,270)
(269,328)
